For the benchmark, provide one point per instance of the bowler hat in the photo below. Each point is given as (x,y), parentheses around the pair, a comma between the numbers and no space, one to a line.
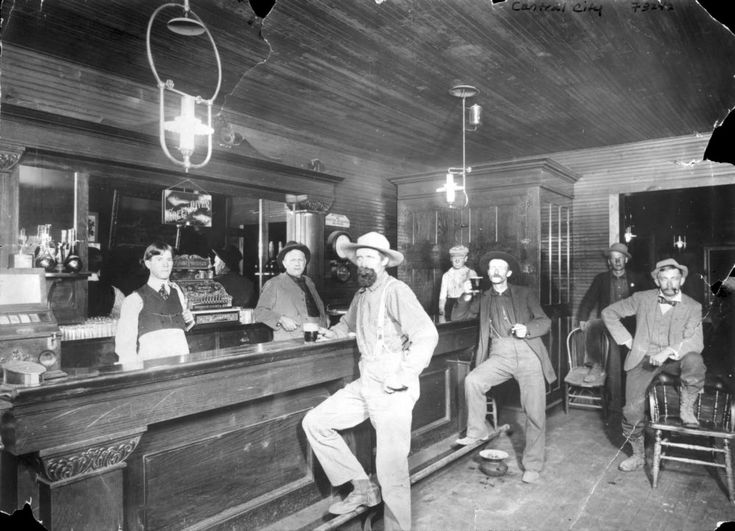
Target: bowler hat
(373,240)
(293,246)
(669,262)
(619,248)
(513,264)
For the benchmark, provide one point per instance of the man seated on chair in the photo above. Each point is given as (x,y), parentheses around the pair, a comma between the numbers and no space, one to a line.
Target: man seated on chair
(511,325)
(668,338)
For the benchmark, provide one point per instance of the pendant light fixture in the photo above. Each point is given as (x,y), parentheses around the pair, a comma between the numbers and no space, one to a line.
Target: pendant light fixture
(187,125)
(473,117)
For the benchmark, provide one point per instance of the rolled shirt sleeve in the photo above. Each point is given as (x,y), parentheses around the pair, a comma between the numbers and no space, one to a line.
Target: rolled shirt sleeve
(126,337)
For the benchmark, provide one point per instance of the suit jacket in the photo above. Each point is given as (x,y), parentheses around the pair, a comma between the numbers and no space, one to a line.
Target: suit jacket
(598,294)
(685,334)
(527,311)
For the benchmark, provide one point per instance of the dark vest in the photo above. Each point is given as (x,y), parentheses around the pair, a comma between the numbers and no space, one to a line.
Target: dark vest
(159,314)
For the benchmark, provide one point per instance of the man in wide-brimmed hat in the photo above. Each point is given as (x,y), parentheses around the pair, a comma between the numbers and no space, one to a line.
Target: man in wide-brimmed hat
(290,299)
(668,338)
(396,339)
(452,285)
(509,345)
(611,286)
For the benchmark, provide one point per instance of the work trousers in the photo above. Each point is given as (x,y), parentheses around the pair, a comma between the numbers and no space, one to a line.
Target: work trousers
(691,371)
(390,415)
(510,358)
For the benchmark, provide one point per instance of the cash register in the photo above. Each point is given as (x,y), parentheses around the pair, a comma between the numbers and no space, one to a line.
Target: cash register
(29,333)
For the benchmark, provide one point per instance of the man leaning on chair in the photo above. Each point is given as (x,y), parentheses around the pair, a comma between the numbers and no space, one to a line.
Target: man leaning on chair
(668,338)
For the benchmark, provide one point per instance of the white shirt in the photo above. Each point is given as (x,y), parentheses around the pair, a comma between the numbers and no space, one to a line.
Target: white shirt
(666,307)
(453,282)
(161,343)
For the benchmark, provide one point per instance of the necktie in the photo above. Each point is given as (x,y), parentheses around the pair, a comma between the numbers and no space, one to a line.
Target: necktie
(162,292)
(664,300)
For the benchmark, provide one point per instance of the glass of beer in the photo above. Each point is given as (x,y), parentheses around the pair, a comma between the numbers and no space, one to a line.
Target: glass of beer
(311,332)
(475,284)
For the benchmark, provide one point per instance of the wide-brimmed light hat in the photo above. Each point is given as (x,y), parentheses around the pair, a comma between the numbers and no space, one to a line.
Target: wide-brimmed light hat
(293,246)
(669,262)
(618,248)
(373,240)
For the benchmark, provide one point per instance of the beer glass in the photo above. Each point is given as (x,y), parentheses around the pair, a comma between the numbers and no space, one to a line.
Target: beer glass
(311,332)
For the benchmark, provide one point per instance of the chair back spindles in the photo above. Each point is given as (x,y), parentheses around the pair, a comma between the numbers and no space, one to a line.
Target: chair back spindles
(714,407)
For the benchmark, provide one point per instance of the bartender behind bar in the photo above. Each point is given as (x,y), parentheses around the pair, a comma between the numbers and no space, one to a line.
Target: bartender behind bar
(154,317)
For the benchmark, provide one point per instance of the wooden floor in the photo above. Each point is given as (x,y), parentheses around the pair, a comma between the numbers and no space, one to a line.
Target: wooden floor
(581,487)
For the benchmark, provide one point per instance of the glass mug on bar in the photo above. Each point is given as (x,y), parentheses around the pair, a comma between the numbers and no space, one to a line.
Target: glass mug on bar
(311,332)
(475,284)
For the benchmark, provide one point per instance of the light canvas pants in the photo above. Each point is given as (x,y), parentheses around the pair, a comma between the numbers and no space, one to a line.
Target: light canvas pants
(390,415)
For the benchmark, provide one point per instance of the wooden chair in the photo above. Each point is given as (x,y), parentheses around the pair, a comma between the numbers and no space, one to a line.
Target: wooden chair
(492,409)
(589,394)
(715,411)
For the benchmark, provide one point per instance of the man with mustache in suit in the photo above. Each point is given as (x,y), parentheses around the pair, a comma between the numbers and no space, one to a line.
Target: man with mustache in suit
(668,338)
(509,346)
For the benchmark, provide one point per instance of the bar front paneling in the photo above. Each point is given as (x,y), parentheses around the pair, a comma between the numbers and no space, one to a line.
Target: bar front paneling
(206,440)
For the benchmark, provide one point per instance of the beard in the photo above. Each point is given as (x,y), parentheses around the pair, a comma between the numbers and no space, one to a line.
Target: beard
(366,277)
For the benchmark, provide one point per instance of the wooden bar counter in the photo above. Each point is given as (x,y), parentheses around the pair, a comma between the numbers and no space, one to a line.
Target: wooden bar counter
(205,441)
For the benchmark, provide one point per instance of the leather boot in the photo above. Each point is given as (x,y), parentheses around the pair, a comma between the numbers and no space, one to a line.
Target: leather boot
(686,408)
(638,459)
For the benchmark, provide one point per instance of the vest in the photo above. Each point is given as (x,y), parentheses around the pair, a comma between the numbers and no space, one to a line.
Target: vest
(159,314)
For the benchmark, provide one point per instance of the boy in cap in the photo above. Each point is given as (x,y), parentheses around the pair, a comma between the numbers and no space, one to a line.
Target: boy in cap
(668,338)
(452,286)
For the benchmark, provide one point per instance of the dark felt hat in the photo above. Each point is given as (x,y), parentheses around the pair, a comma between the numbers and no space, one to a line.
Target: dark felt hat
(484,262)
(230,255)
(618,248)
(293,246)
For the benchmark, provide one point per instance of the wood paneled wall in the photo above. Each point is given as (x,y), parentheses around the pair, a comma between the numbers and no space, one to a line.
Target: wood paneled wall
(663,164)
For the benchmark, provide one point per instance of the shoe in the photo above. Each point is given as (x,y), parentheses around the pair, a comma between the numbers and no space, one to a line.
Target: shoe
(355,499)
(638,459)
(634,462)
(531,476)
(468,441)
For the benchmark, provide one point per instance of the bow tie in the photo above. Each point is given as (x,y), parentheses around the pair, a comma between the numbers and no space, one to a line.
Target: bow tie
(664,300)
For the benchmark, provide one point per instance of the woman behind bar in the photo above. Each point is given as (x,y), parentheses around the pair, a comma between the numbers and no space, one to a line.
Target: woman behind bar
(290,299)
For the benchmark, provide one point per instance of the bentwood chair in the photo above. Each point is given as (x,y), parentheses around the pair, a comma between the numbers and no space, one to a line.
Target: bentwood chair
(492,409)
(584,384)
(715,410)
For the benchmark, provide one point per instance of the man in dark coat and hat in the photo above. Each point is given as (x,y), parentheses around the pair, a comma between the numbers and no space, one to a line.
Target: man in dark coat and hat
(509,345)
(611,286)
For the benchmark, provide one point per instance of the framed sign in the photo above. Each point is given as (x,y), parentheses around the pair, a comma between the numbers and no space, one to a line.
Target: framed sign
(186,208)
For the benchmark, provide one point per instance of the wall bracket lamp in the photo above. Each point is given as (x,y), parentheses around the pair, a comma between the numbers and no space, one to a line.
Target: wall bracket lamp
(473,118)
(186,125)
